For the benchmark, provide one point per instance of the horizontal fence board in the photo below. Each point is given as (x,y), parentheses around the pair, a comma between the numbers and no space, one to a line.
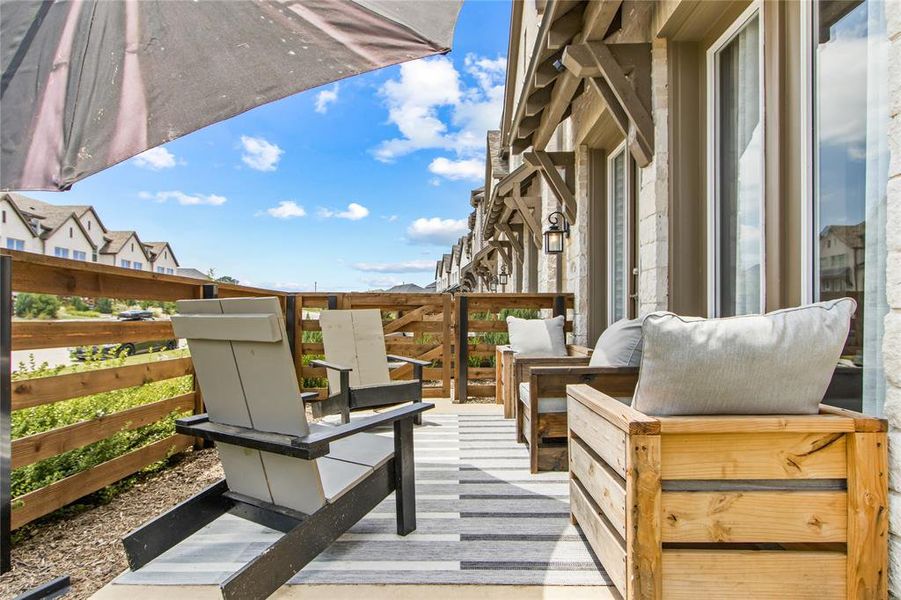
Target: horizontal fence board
(31,449)
(44,501)
(478,326)
(33,335)
(41,274)
(28,393)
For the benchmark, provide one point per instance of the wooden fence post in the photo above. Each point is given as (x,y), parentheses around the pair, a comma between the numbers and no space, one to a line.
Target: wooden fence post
(462,353)
(6,313)
(447,315)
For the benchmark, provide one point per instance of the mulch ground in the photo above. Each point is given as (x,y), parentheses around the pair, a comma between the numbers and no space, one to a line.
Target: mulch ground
(88,546)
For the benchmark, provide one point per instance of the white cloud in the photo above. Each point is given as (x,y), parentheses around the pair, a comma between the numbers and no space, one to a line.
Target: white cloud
(410,266)
(471,169)
(155,159)
(434,108)
(326,97)
(382,282)
(287,209)
(354,212)
(436,231)
(185,199)
(260,154)
(390,218)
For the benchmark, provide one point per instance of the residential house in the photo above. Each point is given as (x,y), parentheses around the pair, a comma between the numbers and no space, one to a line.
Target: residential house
(124,249)
(76,232)
(707,158)
(162,259)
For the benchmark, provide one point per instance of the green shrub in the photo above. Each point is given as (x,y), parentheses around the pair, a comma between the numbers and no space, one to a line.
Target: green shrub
(104,305)
(43,418)
(37,306)
(78,303)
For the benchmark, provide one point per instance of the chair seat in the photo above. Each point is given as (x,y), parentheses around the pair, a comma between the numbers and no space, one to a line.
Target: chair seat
(366,449)
(339,476)
(545,405)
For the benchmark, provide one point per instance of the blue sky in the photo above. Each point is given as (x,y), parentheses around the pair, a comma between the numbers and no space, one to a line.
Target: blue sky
(351,187)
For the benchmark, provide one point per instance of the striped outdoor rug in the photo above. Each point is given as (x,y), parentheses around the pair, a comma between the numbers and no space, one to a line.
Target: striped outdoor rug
(482,518)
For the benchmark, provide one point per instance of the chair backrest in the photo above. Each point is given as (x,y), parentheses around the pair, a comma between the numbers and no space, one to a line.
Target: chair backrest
(355,339)
(245,371)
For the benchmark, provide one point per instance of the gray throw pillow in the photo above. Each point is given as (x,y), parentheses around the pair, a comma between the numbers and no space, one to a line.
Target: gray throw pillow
(777,363)
(619,345)
(537,337)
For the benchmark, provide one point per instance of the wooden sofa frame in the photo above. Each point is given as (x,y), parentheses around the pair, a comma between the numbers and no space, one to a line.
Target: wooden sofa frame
(731,506)
(305,535)
(512,370)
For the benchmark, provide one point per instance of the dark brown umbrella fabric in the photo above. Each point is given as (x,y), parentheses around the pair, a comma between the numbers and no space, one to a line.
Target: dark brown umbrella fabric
(89,83)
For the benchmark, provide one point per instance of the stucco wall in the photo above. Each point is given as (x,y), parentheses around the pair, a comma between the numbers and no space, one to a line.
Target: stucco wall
(132,252)
(165,261)
(892,341)
(92,225)
(61,238)
(16,229)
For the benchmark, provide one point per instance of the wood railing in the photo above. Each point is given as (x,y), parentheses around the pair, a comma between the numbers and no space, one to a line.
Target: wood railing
(457,333)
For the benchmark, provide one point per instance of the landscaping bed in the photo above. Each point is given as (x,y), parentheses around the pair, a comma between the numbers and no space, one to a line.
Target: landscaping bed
(86,543)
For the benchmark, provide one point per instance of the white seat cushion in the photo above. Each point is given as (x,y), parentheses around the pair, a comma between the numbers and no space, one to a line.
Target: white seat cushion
(537,337)
(777,363)
(339,476)
(619,345)
(365,449)
(545,405)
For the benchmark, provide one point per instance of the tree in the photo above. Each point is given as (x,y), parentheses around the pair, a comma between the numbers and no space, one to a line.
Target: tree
(39,306)
(227,279)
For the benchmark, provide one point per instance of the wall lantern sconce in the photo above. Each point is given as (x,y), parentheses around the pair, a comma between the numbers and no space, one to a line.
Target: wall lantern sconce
(503,278)
(553,235)
(492,283)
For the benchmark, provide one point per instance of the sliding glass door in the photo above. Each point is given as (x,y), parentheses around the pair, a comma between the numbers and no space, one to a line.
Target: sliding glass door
(850,171)
(735,176)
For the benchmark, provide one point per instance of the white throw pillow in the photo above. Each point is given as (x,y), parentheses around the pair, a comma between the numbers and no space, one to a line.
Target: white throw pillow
(619,345)
(537,337)
(777,363)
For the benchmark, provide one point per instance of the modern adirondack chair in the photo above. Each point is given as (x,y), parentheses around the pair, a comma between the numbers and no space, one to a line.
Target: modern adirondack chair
(311,482)
(359,372)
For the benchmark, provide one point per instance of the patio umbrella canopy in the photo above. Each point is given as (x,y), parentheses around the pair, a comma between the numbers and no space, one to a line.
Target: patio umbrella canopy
(87,84)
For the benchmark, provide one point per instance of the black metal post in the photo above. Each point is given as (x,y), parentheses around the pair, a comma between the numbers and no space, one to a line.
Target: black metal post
(462,347)
(332,302)
(291,322)
(210,291)
(559,306)
(6,319)
(404,480)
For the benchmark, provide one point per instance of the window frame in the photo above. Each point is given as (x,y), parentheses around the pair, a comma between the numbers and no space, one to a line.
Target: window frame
(755,9)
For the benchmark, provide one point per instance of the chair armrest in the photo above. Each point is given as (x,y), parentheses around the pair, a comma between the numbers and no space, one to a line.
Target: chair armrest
(309,396)
(332,366)
(412,361)
(550,361)
(551,382)
(575,350)
(613,411)
(308,447)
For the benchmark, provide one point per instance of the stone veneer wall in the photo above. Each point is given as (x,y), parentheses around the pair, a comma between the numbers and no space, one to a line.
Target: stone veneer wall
(653,196)
(891,344)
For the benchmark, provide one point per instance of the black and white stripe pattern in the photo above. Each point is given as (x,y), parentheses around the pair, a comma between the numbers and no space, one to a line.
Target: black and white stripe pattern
(482,518)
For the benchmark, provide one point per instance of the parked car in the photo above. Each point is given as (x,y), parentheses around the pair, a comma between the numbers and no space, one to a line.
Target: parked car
(104,351)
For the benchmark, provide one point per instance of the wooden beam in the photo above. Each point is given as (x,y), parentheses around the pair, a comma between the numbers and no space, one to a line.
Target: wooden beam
(564,29)
(562,95)
(562,191)
(414,315)
(537,101)
(499,246)
(515,244)
(527,217)
(636,23)
(598,17)
(545,74)
(529,124)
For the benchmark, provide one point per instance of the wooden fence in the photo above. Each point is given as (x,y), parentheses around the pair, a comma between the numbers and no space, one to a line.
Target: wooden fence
(450,331)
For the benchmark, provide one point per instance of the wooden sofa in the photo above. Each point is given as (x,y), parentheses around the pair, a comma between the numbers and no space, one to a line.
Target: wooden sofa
(547,440)
(731,506)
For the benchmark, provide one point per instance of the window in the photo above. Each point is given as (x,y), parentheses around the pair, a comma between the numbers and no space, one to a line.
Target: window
(71,232)
(849,100)
(14,244)
(137,266)
(160,270)
(89,225)
(61,252)
(735,171)
(125,264)
(4,216)
(618,193)
(79,255)
(170,271)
